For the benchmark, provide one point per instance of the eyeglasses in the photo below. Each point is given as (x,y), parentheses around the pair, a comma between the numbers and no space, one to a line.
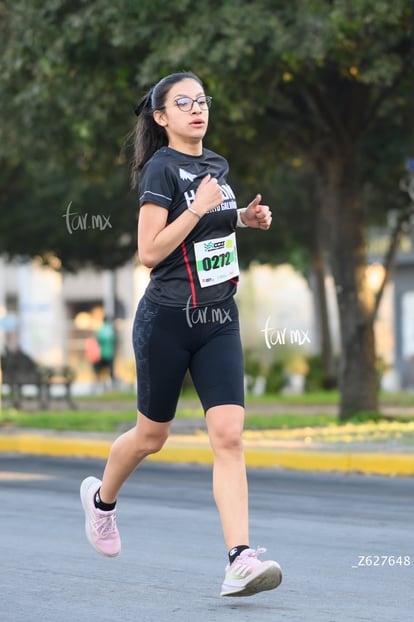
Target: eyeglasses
(186,103)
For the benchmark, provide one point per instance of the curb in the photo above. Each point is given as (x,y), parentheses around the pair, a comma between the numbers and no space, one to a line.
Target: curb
(194,449)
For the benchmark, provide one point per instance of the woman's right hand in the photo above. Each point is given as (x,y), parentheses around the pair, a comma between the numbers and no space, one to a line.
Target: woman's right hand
(208,195)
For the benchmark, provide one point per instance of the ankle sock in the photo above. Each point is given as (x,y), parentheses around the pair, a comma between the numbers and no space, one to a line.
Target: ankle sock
(235,552)
(101,505)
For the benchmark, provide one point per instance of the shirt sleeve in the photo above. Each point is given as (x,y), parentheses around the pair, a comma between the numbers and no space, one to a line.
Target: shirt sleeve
(156,185)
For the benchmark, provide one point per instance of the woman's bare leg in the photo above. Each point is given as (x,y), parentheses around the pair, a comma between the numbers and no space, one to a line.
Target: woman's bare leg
(128,451)
(225,428)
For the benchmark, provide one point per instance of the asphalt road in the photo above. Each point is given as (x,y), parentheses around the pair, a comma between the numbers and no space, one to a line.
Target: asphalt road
(345,544)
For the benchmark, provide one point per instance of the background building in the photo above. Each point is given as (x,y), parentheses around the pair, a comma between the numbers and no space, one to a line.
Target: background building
(50,315)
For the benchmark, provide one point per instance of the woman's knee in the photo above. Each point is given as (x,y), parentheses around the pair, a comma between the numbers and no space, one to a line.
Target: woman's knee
(226,430)
(227,441)
(151,435)
(152,444)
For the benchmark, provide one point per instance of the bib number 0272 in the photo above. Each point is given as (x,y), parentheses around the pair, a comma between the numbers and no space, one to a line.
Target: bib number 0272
(217,261)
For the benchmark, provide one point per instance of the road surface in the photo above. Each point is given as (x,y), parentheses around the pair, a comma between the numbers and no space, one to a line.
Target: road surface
(345,544)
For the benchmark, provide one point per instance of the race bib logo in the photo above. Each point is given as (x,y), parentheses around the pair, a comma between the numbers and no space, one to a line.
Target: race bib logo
(215,246)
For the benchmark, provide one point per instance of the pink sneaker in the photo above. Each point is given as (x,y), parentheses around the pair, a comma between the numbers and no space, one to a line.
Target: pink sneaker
(247,575)
(100,526)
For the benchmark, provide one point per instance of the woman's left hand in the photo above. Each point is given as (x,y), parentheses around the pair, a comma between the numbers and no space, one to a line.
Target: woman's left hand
(257,216)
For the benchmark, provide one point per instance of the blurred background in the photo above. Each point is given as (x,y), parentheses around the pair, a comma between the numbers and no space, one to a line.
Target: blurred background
(313,106)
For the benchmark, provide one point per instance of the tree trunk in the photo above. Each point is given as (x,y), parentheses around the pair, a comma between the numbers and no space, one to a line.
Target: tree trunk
(330,380)
(328,360)
(358,383)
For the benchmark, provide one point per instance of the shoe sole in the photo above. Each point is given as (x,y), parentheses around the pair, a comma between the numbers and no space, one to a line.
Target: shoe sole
(84,489)
(270,579)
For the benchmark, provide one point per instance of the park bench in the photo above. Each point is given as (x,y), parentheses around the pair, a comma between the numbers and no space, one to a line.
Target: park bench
(19,370)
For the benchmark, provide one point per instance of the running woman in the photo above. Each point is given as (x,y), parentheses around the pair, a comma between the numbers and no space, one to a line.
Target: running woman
(187,319)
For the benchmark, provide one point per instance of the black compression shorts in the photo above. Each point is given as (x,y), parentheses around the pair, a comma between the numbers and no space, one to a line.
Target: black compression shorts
(168,341)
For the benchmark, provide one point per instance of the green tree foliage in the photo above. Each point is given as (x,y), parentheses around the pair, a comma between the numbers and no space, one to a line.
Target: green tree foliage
(72,71)
(67,98)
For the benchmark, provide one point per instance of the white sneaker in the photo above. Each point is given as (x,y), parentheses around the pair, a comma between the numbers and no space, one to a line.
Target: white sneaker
(247,575)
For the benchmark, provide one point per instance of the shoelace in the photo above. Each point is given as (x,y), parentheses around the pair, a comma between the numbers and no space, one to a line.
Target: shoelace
(105,526)
(252,552)
(244,564)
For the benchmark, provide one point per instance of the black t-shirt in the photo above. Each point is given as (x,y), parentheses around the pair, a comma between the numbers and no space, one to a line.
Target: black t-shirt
(170,179)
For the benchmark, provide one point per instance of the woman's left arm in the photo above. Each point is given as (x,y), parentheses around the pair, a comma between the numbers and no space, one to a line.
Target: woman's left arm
(256,215)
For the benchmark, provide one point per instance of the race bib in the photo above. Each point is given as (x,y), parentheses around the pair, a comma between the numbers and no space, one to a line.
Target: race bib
(216,260)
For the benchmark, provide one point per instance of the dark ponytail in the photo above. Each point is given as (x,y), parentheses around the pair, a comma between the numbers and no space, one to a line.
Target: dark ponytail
(148,135)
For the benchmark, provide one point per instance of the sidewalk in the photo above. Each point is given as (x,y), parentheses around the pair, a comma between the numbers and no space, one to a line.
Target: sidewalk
(268,448)
(370,450)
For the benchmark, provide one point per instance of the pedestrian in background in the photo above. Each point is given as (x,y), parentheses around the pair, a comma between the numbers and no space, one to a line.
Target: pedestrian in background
(106,338)
(187,319)
(93,355)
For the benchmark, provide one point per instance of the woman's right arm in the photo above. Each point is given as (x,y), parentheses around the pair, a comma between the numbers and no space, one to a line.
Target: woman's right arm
(155,240)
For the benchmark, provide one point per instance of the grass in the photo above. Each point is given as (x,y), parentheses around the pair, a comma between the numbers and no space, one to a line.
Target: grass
(71,420)
(400,398)
(110,396)
(111,421)
(312,428)
(321,397)
(103,416)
